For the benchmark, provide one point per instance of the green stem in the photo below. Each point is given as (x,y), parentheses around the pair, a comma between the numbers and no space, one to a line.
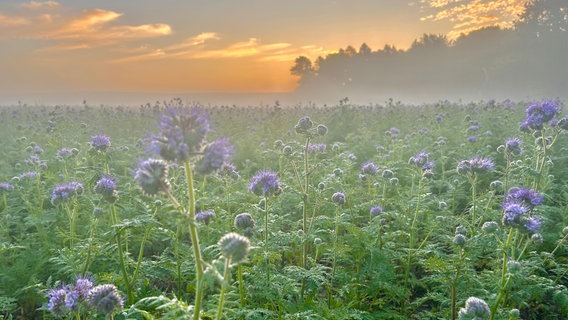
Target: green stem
(195,242)
(412,240)
(89,251)
(266,255)
(504,278)
(241,287)
(121,254)
(223,289)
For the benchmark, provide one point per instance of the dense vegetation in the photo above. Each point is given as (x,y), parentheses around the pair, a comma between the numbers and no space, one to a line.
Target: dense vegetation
(347,212)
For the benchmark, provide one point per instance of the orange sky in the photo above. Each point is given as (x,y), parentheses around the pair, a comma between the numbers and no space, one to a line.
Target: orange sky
(207,46)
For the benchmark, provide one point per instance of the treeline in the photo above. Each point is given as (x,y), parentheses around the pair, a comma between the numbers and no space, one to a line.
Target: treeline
(527,61)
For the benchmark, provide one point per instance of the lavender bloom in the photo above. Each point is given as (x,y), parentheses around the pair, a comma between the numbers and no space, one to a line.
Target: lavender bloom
(83,286)
(65,191)
(265,183)
(5,186)
(64,152)
(476,165)
(532,224)
(29,175)
(106,186)
(100,142)
(182,132)
(215,156)
(376,210)
(472,139)
(317,147)
(537,114)
(34,160)
(370,168)
(338,198)
(37,149)
(105,299)
(60,301)
(152,176)
(513,146)
(420,159)
(528,197)
(204,216)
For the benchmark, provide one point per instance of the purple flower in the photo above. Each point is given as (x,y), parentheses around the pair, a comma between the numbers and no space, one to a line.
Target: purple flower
(82,286)
(106,186)
(317,147)
(376,210)
(532,224)
(265,183)
(204,216)
(65,191)
(182,132)
(528,197)
(152,176)
(5,186)
(513,146)
(100,142)
(29,175)
(338,198)
(64,152)
(420,159)
(61,300)
(472,139)
(215,156)
(539,113)
(105,299)
(475,165)
(370,168)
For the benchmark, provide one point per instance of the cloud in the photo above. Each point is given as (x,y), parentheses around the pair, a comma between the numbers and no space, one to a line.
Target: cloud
(206,46)
(89,29)
(38,5)
(470,15)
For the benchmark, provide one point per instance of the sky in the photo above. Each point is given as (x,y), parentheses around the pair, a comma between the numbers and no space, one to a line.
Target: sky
(73,47)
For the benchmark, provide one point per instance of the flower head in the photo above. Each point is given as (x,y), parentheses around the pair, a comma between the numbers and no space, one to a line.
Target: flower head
(243,221)
(65,191)
(370,168)
(303,125)
(475,165)
(234,247)
(475,309)
(83,286)
(338,198)
(420,159)
(106,186)
(100,142)
(376,210)
(215,155)
(5,187)
(61,301)
(105,299)
(528,197)
(539,113)
(265,183)
(513,146)
(152,176)
(182,132)
(204,216)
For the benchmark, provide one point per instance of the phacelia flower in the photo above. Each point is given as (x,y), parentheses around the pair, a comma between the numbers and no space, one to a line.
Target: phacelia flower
(204,216)
(475,308)
(243,221)
(100,142)
(5,186)
(106,186)
(420,159)
(65,191)
(517,207)
(376,210)
(459,239)
(61,301)
(234,247)
(152,176)
(528,197)
(513,146)
(83,286)
(370,168)
(215,155)
(338,198)
(66,152)
(563,123)
(303,125)
(317,147)
(538,114)
(182,132)
(476,165)
(105,299)
(265,183)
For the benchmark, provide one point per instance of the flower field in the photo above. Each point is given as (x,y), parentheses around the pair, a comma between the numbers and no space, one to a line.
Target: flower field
(177,211)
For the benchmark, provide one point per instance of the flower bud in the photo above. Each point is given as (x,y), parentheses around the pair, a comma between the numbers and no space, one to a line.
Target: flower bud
(234,247)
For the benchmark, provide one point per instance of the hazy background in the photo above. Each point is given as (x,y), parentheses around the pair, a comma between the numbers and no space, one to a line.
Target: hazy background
(133,52)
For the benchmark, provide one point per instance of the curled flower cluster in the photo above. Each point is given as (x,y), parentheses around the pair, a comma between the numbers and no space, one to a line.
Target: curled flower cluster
(475,309)
(65,191)
(305,126)
(152,176)
(100,142)
(67,298)
(204,216)
(539,113)
(182,133)
(265,183)
(215,156)
(338,198)
(513,146)
(106,186)
(317,147)
(5,186)
(234,247)
(376,210)
(245,223)
(476,165)
(517,208)
(370,168)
